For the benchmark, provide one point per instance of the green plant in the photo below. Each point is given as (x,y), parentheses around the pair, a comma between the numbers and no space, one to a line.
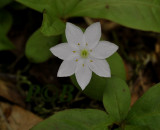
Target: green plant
(5,25)
(114,92)
(143,115)
(142,15)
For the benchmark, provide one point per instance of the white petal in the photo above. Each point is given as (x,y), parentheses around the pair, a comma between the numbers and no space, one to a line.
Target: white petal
(74,35)
(83,74)
(92,35)
(100,67)
(67,68)
(63,51)
(104,49)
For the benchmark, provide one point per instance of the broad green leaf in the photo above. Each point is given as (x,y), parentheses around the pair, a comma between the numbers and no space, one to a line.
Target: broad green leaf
(54,12)
(117,66)
(53,16)
(75,119)
(4,2)
(143,15)
(5,25)
(65,7)
(95,88)
(38,5)
(138,14)
(97,84)
(146,111)
(63,38)
(52,26)
(38,45)
(5,21)
(89,8)
(56,8)
(116,98)
(5,43)
(60,8)
(102,126)
(134,127)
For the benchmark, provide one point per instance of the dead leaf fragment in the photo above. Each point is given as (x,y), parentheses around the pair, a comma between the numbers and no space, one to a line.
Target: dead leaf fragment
(19,118)
(10,92)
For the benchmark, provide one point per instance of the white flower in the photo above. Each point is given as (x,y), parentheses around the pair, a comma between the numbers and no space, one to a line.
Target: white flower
(84,53)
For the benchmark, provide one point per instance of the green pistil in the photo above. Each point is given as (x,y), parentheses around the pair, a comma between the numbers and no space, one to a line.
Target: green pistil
(84,53)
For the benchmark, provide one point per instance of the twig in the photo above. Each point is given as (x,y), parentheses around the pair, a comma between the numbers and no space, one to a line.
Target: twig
(88,20)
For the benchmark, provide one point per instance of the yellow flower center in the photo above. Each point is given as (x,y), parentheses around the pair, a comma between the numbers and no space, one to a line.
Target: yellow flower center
(84,53)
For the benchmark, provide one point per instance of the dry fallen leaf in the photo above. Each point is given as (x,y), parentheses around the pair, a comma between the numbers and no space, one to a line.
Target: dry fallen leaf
(17,118)
(140,86)
(10,92)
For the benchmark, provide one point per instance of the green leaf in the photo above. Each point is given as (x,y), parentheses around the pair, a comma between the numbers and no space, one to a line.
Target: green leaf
(63,7)
(133,127)
(116,98)
(97,84)
(53,16)
(75,119)
(102,126)
(56,8)
(54,11)
(5,43)
(5,25)
(89,8)
(146,111)
(52,26)
(5,21)
(138,14)
(117,66)
(38,45)
(4,2)
(143,15)
(38,5)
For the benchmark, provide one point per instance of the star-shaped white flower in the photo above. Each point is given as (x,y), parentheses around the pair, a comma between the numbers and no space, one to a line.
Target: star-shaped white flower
(84,53)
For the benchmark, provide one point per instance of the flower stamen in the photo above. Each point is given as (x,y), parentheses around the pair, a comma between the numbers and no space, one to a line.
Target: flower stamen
(84,53)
